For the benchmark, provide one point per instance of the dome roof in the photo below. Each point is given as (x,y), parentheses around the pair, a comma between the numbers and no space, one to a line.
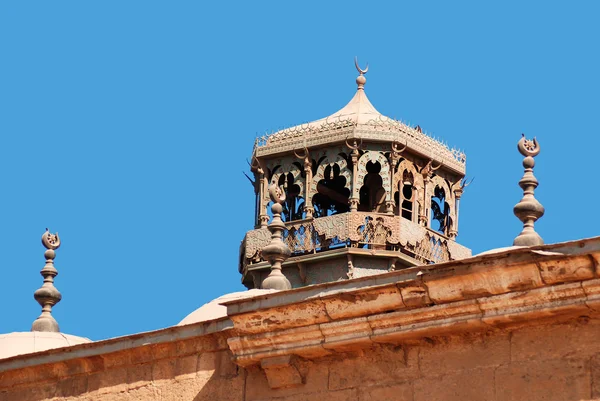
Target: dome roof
(19,343)
(359,119)
(214,310)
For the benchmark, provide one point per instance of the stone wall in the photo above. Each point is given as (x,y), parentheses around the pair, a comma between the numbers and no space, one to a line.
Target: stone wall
(194,369)
(559,361)
(549,362)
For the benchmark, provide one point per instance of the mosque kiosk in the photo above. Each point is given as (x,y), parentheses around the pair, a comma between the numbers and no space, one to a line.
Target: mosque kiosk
(362,193)
(357,290)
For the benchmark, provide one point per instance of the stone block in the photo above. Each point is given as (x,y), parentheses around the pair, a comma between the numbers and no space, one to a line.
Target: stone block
(469,351)
(186,367)
(146,393)
(346,305)
(595,372)
(569,268)
(72,386)
(377,366)
(315,380)
(472,385)
(282,371)
(225,366)
(557,380)
(577,339)
(398,392)
(39,392)
(415,296)
(139,375)
(108,381)
(342,395)
(481,281)
(164,370)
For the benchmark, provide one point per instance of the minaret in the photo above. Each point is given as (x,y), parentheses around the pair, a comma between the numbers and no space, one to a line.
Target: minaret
(48,296)
(528,210)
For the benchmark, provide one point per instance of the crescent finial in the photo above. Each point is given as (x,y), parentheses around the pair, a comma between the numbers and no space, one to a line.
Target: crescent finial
(528,147)
(276,193)
(360,70)
(50,241)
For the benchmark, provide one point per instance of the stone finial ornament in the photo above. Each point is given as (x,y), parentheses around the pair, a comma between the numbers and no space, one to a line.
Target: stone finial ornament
(277,251)
(528,210)
(48,296)
(361,80)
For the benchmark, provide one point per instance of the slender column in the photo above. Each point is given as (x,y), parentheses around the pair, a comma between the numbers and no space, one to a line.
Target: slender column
(453,232)
(263,216)
(353,199)
(308,207)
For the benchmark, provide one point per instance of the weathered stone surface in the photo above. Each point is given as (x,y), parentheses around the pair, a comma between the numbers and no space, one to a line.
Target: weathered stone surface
(566,269)
(315,381)
(481,282)
(558,380)
(415,296)
(398,392)
(466,352)
(578,338)
(376,366)
(349,305)
(472,385)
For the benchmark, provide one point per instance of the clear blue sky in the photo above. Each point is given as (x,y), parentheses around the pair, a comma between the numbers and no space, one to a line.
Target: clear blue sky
(125,126)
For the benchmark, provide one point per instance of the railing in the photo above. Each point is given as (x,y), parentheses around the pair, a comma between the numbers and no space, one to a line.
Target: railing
(358,230)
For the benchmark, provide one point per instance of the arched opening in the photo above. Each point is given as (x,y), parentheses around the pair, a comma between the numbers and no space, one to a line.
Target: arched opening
(293,207)
(404,196)
(440,211)
(331,196)
(372,194)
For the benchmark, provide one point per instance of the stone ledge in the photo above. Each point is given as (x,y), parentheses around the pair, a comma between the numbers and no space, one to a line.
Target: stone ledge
(487,313)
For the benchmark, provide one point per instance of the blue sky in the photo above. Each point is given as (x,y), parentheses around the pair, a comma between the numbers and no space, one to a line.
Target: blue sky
(125,126)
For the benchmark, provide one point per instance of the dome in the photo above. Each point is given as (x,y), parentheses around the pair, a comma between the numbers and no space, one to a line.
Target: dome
(19,343)
(359,120)
(214,310)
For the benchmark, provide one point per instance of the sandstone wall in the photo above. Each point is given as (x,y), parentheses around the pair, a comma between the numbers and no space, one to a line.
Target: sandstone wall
(544,362)
(550,362)
(195,369)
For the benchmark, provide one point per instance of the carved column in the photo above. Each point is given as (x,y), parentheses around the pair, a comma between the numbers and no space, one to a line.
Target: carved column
(353,199)
(308,207)
(453,231)
(264,185)
(423,210)
(389,205)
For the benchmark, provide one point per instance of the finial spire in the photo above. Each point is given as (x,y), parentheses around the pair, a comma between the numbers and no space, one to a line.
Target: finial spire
(277,251)
(361,80)
(528,210)
(48,296)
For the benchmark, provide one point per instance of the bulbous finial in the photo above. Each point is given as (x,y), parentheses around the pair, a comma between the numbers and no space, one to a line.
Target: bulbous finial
(528,210)
(361,80)
(48,296)
(277,251)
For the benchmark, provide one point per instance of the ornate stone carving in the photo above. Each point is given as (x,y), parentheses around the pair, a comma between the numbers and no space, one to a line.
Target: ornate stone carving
(332,226)
(372,156)
(256,240)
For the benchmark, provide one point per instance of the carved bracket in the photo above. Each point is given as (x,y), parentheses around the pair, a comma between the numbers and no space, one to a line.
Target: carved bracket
(282,371)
